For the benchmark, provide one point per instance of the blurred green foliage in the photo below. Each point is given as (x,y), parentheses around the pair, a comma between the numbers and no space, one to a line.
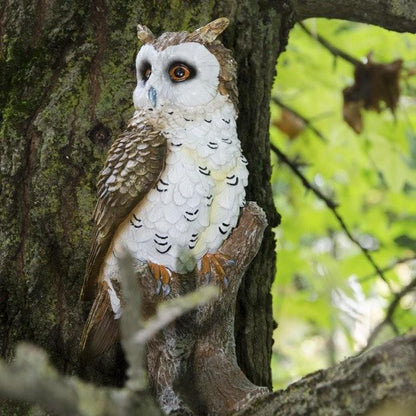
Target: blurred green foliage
(327,298)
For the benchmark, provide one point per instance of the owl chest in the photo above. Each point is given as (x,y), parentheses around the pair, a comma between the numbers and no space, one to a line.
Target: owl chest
(169,226)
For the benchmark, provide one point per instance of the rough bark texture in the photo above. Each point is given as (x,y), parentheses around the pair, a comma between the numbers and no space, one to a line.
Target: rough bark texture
(380,382)
(66,79)
(397,15)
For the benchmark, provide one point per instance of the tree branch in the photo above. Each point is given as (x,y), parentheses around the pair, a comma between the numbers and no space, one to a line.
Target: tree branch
(32,378)
(384,378)
(388,319)
(331,48)
(399,15)
(389,267)
(332,207)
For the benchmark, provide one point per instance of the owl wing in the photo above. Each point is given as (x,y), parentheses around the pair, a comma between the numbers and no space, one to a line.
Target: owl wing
(134,163)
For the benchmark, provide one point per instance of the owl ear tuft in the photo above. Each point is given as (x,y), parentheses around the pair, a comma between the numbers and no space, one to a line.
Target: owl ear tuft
(144,34)
(212,30)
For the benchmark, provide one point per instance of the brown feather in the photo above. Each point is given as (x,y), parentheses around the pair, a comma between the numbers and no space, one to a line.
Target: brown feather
(133,166)
(101,330)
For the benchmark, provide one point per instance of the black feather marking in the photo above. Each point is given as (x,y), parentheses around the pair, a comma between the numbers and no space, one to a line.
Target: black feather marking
(187,119)
(232,180)
(162,237)
(221,231)
(191,216)
(228,141)
(176,144)
(159,188)
(138,220)
(208,121)
(210,199)
(163,252)
(226,121)
(204,170)
(170,112)
(159,243)
(212,145)
(193,241)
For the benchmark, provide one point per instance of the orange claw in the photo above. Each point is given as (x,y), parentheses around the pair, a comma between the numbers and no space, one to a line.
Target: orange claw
(162,275)
(211,263)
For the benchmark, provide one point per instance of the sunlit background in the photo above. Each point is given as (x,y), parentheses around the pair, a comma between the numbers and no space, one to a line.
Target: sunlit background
(329,299)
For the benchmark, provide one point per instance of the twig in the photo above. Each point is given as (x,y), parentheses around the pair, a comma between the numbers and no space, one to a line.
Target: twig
(332,206)
(307,122)
(331,48)
(388,268)
(132,322)
(173,309)
(33,379)
(293,166)
(388,319)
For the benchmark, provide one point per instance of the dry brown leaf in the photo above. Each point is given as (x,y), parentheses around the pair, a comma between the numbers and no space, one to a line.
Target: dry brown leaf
(352,115)
(374,84)
(289,123)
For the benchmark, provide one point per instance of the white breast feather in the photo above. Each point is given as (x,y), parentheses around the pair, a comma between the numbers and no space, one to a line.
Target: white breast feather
(196,203)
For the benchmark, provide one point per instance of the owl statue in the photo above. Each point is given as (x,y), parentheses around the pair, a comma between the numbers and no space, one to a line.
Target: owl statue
(173,183)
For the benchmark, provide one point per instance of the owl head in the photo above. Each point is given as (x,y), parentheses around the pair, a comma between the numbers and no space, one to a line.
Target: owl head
(184,69)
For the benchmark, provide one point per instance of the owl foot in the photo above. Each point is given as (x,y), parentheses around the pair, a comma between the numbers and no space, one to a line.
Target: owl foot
(162,276)
(211,263)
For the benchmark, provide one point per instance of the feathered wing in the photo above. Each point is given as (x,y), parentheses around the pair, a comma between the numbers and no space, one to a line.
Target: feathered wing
(133,166)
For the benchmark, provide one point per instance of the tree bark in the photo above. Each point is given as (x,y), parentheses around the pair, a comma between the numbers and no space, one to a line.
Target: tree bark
(66,79)
(399,15)
(381,382)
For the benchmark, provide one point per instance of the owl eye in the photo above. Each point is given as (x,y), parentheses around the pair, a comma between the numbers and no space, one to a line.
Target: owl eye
(146,71)
(179,72)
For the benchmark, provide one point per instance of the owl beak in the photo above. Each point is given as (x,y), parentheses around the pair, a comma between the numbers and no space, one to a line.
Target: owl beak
(152,95)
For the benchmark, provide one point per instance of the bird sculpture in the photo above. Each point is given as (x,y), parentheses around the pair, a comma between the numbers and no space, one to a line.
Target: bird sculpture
(174,181)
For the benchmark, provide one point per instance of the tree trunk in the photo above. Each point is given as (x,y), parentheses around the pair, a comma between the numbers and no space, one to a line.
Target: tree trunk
(67,75)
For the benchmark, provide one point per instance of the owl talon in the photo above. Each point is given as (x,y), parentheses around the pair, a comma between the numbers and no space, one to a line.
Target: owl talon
(162,276)
(166,290)
(158,287)
(211,263)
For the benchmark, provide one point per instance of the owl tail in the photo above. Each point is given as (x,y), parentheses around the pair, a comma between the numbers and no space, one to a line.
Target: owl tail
(101,330)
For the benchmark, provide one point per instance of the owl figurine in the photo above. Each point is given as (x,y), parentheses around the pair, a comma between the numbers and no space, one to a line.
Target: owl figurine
(173,183)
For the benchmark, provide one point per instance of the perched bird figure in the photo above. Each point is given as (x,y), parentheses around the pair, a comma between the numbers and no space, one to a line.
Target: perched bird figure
(173,183)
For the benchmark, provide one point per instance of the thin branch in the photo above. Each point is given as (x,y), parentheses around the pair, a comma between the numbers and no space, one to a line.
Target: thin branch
(307,122)
(132,322)
(331,48)
(389,267)
(333,208)
(173,309)
(32,378)
(308,185)
(388,319)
